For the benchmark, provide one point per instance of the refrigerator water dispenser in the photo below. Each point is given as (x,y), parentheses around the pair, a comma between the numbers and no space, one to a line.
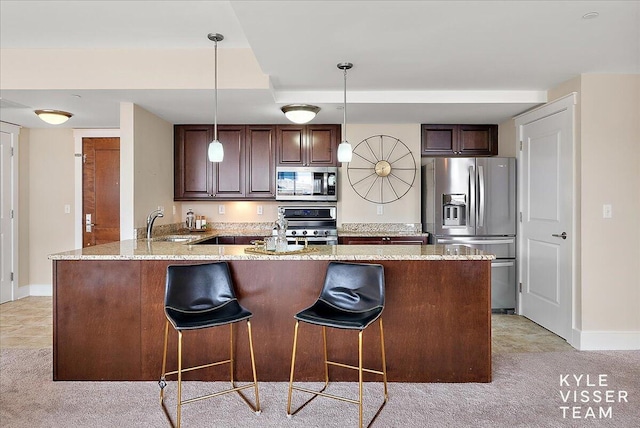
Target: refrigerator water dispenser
(454,208)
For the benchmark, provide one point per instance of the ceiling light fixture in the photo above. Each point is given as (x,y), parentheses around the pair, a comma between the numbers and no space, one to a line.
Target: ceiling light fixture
(53,117)
(344,148)
(300,113)
(215,151)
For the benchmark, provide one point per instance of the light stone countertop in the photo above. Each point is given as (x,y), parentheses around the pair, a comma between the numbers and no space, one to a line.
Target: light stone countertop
(142,249)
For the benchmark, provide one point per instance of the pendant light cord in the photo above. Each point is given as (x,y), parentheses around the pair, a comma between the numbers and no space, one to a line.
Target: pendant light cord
(344,108)
(215,108)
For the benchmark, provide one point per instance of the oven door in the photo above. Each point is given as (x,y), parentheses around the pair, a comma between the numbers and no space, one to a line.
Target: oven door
(315,240)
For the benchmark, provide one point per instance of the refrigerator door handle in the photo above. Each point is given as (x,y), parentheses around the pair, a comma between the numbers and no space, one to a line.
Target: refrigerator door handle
(502,264)
(480,196)
(471,206)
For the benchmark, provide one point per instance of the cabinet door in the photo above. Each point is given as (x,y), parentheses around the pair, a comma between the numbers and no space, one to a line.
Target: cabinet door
(192,170)
(229,240)
(260,162)
(246,240)
(459,140)
(478,140)
(361,240)
(407,240)
(322,147)
(229,174)
(311,145)
(290,142)
(439,140)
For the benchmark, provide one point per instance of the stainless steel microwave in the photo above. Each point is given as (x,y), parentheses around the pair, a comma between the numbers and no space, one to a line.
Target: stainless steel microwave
(307,183)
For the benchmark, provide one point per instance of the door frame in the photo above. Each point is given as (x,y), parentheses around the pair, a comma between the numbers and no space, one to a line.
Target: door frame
(78,135)
(567,103)
(14,132)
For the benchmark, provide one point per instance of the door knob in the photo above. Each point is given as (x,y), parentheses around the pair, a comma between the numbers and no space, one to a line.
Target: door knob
(563,235)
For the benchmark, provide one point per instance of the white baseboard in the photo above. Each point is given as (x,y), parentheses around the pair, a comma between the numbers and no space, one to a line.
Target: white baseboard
(40,290)
(606,340)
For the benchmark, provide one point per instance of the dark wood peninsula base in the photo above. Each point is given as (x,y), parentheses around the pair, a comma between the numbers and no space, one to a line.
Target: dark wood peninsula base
(109,322)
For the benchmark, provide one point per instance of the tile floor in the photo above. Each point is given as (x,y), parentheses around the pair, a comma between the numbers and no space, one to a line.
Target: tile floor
(28,323)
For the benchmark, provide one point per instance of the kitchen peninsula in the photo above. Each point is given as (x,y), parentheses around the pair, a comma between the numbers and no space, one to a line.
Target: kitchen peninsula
(109,318)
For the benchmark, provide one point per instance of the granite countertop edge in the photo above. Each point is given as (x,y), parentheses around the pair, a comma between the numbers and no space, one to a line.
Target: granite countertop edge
(157,250)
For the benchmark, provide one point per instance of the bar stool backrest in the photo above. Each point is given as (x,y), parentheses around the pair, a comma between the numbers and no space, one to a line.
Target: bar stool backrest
(197,288)
(354,287)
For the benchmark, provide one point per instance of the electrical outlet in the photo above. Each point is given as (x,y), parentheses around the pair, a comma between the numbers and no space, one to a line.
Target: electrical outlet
(67,209)
(379,210)
(220,209)
(174,210)
(607,211)
(161,209)
(259,210)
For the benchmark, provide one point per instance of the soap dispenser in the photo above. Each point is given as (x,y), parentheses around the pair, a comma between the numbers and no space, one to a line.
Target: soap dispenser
(191,220)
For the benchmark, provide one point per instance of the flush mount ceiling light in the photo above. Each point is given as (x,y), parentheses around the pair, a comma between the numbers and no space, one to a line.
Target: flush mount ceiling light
(215,152)
(590,15)
(53,117)
(300,113)
(344,149)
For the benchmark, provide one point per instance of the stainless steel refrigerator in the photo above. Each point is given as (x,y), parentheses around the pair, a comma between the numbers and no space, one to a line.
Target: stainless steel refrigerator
(472,201)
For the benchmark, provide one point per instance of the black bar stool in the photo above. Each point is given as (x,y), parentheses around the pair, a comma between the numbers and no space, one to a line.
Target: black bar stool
(352,298)
(197,297)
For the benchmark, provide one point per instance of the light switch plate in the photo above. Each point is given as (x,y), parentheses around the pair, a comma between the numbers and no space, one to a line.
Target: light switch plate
(220,209)
(607,211)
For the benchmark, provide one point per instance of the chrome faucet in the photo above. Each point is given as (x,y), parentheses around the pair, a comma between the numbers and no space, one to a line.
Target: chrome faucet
(150,219)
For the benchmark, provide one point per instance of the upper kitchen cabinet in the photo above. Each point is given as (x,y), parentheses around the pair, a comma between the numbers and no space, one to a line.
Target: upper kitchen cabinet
(247,171)
(459,140)
(260,162)
(307,145)
(193,173)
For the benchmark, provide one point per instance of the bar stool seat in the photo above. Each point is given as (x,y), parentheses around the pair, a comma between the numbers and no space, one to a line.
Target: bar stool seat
(199,297)
(352,298)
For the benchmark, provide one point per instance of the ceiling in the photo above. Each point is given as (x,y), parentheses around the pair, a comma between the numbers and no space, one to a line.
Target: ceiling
(414,61)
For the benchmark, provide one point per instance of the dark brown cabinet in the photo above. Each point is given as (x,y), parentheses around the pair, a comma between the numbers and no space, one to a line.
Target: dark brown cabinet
(247,171)
(382,240)
(307,145)
(231,240)
(260,162)
(459,140)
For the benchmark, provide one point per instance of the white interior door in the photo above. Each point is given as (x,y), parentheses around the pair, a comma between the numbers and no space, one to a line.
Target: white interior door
(546,201)
(6,232)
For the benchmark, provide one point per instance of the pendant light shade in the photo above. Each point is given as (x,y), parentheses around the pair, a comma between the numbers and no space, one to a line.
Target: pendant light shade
(345,151)
(215,152)
(53,117)
(300,113)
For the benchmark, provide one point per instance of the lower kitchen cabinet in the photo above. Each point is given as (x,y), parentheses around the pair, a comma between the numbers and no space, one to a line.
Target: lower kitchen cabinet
(231,240)
(382,240)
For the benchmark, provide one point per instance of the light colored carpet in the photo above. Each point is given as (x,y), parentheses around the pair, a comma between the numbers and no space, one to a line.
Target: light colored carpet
(526,392)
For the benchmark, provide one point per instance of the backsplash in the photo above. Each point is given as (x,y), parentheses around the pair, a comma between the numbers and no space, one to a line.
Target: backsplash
(382,227)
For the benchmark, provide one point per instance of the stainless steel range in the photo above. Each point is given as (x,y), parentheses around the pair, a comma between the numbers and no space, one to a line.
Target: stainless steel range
(316,223)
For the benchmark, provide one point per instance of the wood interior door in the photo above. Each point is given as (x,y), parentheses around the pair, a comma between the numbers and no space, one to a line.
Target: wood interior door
(100,190)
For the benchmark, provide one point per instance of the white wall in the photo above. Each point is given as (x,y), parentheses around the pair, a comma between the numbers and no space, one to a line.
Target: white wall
(152,167)
(610,150)
(51,165)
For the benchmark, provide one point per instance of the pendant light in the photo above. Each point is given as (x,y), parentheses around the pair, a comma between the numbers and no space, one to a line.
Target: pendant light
(344,149)
(215,151)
